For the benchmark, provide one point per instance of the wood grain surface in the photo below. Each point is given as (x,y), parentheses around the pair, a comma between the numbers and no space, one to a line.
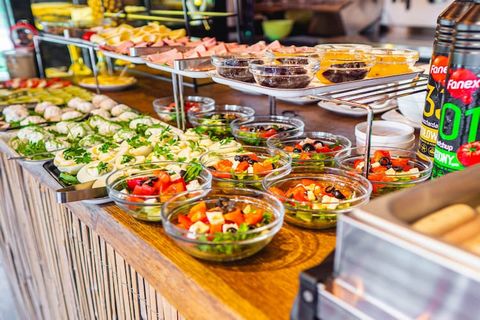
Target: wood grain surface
(260,287)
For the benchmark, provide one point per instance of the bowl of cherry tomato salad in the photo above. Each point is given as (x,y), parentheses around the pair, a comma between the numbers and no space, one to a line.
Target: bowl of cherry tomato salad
(141,189)
(216,121)
(390,169)
(245,167)
(222,224)
(256,130)
(310,147)
(165,107)
(314,196)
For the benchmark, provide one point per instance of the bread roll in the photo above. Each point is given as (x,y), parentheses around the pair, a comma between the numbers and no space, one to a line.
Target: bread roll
(444,220)
(473,244)
(464,232)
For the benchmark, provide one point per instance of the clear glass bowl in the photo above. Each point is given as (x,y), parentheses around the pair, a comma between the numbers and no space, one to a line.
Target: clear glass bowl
(318,215)
(244,130)
(165,107)
(147,208)
(389,62)
(343,62)
(304,152)
(234,67)
(216,120)
(386,183)
(217,247)
(284,72)
(230,179)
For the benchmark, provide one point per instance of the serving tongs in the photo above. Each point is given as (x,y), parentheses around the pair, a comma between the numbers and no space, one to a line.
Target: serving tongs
(30,156)
(79,192)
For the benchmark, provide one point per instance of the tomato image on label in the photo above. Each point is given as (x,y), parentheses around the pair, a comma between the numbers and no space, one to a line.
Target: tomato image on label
(438,70)
(469,154)
(462,84)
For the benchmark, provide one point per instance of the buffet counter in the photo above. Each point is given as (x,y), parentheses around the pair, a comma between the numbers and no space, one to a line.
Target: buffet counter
(82,261)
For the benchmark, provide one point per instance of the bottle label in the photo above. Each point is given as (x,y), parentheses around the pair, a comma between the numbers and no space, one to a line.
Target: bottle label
(431,112)
(458,144)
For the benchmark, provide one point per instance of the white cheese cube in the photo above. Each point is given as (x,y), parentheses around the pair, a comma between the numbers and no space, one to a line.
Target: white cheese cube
(375,165)
(193,185)
(215,217)
(318,206)
(310,195)
(175,177)
(414,171)
(250,169)
(390,172)
(150,201)
(199,227)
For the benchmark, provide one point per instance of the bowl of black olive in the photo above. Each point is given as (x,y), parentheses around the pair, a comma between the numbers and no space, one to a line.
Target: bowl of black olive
(234,67)
(285,72)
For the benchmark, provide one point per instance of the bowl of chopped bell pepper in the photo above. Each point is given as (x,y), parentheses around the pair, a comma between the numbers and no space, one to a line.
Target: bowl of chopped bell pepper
(141,189)
(317,148)
(222,224)
(314,196)
(390,169)
(245,167)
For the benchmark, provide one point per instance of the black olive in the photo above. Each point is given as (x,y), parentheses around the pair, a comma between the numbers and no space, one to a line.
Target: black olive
(297,150)
(237,158)
(384,161)
(222,202)
(397,168)
(182,173)
(261,128)
(232,230)
(251,161)
(337,194)
(316,142)
(308,147)
(329,189)
(250,227)
(253,129)
(281,129)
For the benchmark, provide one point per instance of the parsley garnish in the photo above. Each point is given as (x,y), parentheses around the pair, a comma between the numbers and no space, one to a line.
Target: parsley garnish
(107,146)
(126,158)
(77,154)
(137,141)
(102,167)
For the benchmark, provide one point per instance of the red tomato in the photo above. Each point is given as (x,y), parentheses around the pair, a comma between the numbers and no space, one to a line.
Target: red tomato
(176,187)
(215,228)
(198,216)
(288,149)
(144,190)
(469,154)
(399,162)
(277,191)
(268,133)
(242,166)
(253,156)
(235,216)
(199,207)
(224,165)
(87,35)
(262,168)
(380,169)
(184,222)
(357,163)
(254,218)
(132,183)
(299,194)
(221,175)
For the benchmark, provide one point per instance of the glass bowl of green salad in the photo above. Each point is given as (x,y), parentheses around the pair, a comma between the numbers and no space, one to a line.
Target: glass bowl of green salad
(222,224)
(216,122)
(314,196)
(244,167)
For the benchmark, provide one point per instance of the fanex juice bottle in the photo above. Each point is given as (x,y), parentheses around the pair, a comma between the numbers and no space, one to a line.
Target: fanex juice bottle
(458,143)
(438,72)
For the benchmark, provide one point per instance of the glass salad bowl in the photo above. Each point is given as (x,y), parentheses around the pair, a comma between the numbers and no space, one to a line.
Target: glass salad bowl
(141,189)
(165,107)
(284,72)
(244,167)
(234,66)
(222,224)
(390,169)
(256,130)
(389,62)
(308,148)
(314,196)
(216,121)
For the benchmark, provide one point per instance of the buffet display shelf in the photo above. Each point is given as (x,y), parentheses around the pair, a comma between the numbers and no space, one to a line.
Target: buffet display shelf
(125,57)
(86,261)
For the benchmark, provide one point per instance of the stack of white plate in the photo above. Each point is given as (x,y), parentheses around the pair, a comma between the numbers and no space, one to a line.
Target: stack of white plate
(387,134)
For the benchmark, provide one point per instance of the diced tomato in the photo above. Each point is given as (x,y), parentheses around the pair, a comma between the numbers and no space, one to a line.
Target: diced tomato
(268,133)
(224,165)
(298,146)
(198,216)
(254,217)
(262,168)
(244,128)
(133,199)
(380,154)
(253,156)
(336,148)
(132,183)
(144,190)
(357,163)
(190,104)
(407,168)
(214,228)
(399,162)
(221,175)
(298,193)
(235,216)
(176,187)
(379,169)
(242,166)
(379,177)
(288,148)
(323,149)
(163,176)
(184,221)
(277,191)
